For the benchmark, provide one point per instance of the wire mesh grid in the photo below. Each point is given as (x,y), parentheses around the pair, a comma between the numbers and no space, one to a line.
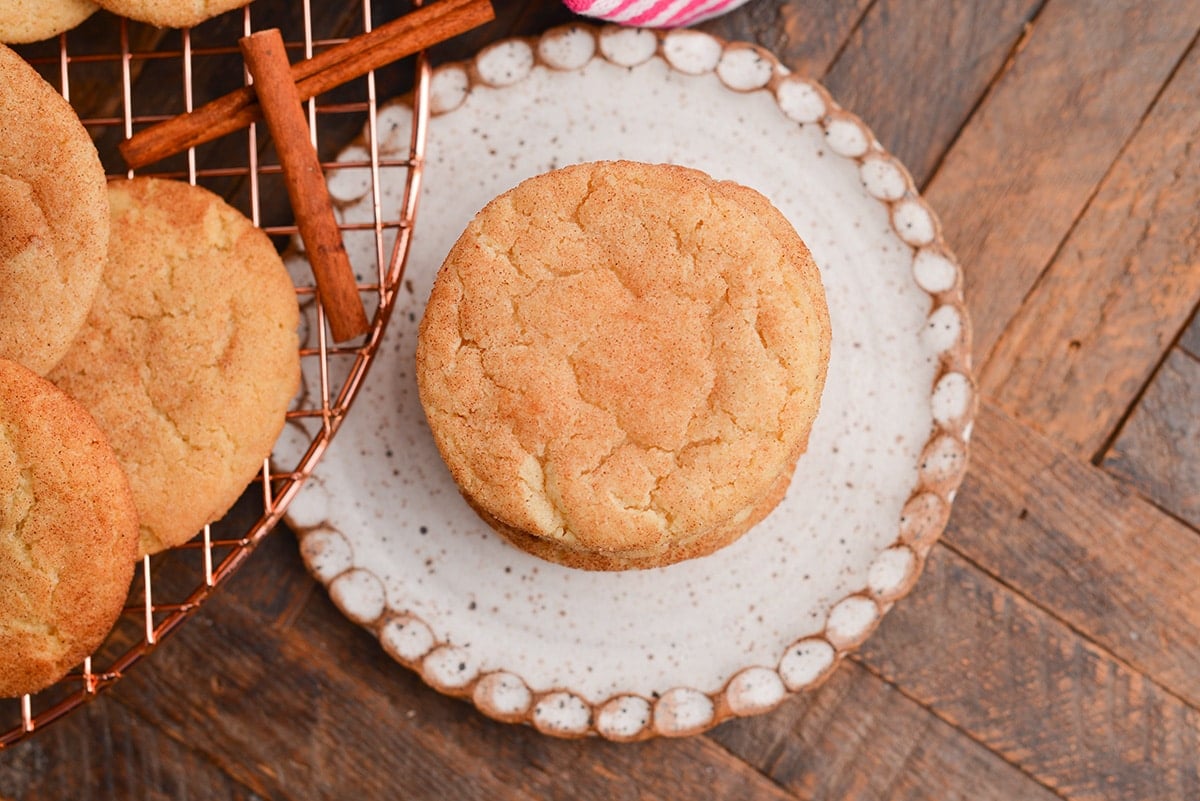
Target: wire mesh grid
(170,587)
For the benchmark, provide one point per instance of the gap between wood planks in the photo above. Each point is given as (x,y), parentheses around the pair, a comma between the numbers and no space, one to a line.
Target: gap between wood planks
(1064,239)
(1104,650)
(1007,742)
(294,668)
(1099,648)
(1193,356)
(1013,53)
(146,731)
(958,727)
(1031,689)
(1069,230)
(1010,742)
(1072,508)
(830,744)
(1158,508)
(837,53)
(1098,457)
(1150,456)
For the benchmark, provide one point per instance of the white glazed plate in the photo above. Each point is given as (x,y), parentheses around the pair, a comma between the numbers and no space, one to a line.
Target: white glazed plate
(674,650)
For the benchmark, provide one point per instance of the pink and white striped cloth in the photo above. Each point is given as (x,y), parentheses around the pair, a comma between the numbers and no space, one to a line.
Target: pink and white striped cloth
(653,13)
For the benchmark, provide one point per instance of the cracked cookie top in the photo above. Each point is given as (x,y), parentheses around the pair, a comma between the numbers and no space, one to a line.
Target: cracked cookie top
(68,533)
(53,218)
(620,356)
(189,357)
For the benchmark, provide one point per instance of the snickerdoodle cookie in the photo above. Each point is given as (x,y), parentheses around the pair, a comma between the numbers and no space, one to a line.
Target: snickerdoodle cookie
(53,218)
(35,20)
(621,363)
(68,533)
(189,357)
(171,13)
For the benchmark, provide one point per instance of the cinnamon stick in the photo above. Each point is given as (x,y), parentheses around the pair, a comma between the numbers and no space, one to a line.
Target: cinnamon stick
(389,42)
(267,60)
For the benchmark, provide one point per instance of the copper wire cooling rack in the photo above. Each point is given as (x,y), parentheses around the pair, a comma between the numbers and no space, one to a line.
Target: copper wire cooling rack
(170,587)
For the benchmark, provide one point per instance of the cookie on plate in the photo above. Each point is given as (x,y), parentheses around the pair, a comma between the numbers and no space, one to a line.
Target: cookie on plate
(171,13)
(54,209)
(68,533)
(35,20)
(621,362)
(189,357)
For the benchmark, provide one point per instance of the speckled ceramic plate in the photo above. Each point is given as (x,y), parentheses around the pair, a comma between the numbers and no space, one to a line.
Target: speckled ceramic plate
(669,651)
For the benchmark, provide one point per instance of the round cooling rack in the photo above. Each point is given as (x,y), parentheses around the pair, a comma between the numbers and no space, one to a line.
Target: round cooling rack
(675,650)
(171,586)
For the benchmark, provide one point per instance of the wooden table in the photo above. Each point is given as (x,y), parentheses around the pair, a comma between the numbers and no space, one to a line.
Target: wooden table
(1052,648)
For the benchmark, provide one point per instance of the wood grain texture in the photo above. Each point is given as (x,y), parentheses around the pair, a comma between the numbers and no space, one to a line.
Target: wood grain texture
(1071,539)
(1050,650)
(1158,450)
(109,752)
(1094,328)
(804,36)
(860,738)
(314,709)
(991,663)
(1031,156)
(921,75)
(91,87)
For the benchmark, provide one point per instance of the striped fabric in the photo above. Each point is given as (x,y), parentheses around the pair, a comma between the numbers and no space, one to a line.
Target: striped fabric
(653,13)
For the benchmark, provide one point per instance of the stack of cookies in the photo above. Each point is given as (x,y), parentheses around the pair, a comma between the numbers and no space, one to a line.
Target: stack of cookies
(166,324)
(621,363)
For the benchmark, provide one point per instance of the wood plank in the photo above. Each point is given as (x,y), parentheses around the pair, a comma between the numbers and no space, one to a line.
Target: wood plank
(917,76)
(1190,340)
(1158,450)
(1073,540)
(991,663)
(1030,157)
(1095,327)
(92,84)
(857,737)
(316,710)
(104,751)
(804,36)
(265,677)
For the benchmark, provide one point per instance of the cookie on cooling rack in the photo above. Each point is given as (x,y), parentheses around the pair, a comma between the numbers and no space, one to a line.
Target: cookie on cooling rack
(35,20)
(54,209)
(189,357)
(621,362)
(68,533)
(171,13)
